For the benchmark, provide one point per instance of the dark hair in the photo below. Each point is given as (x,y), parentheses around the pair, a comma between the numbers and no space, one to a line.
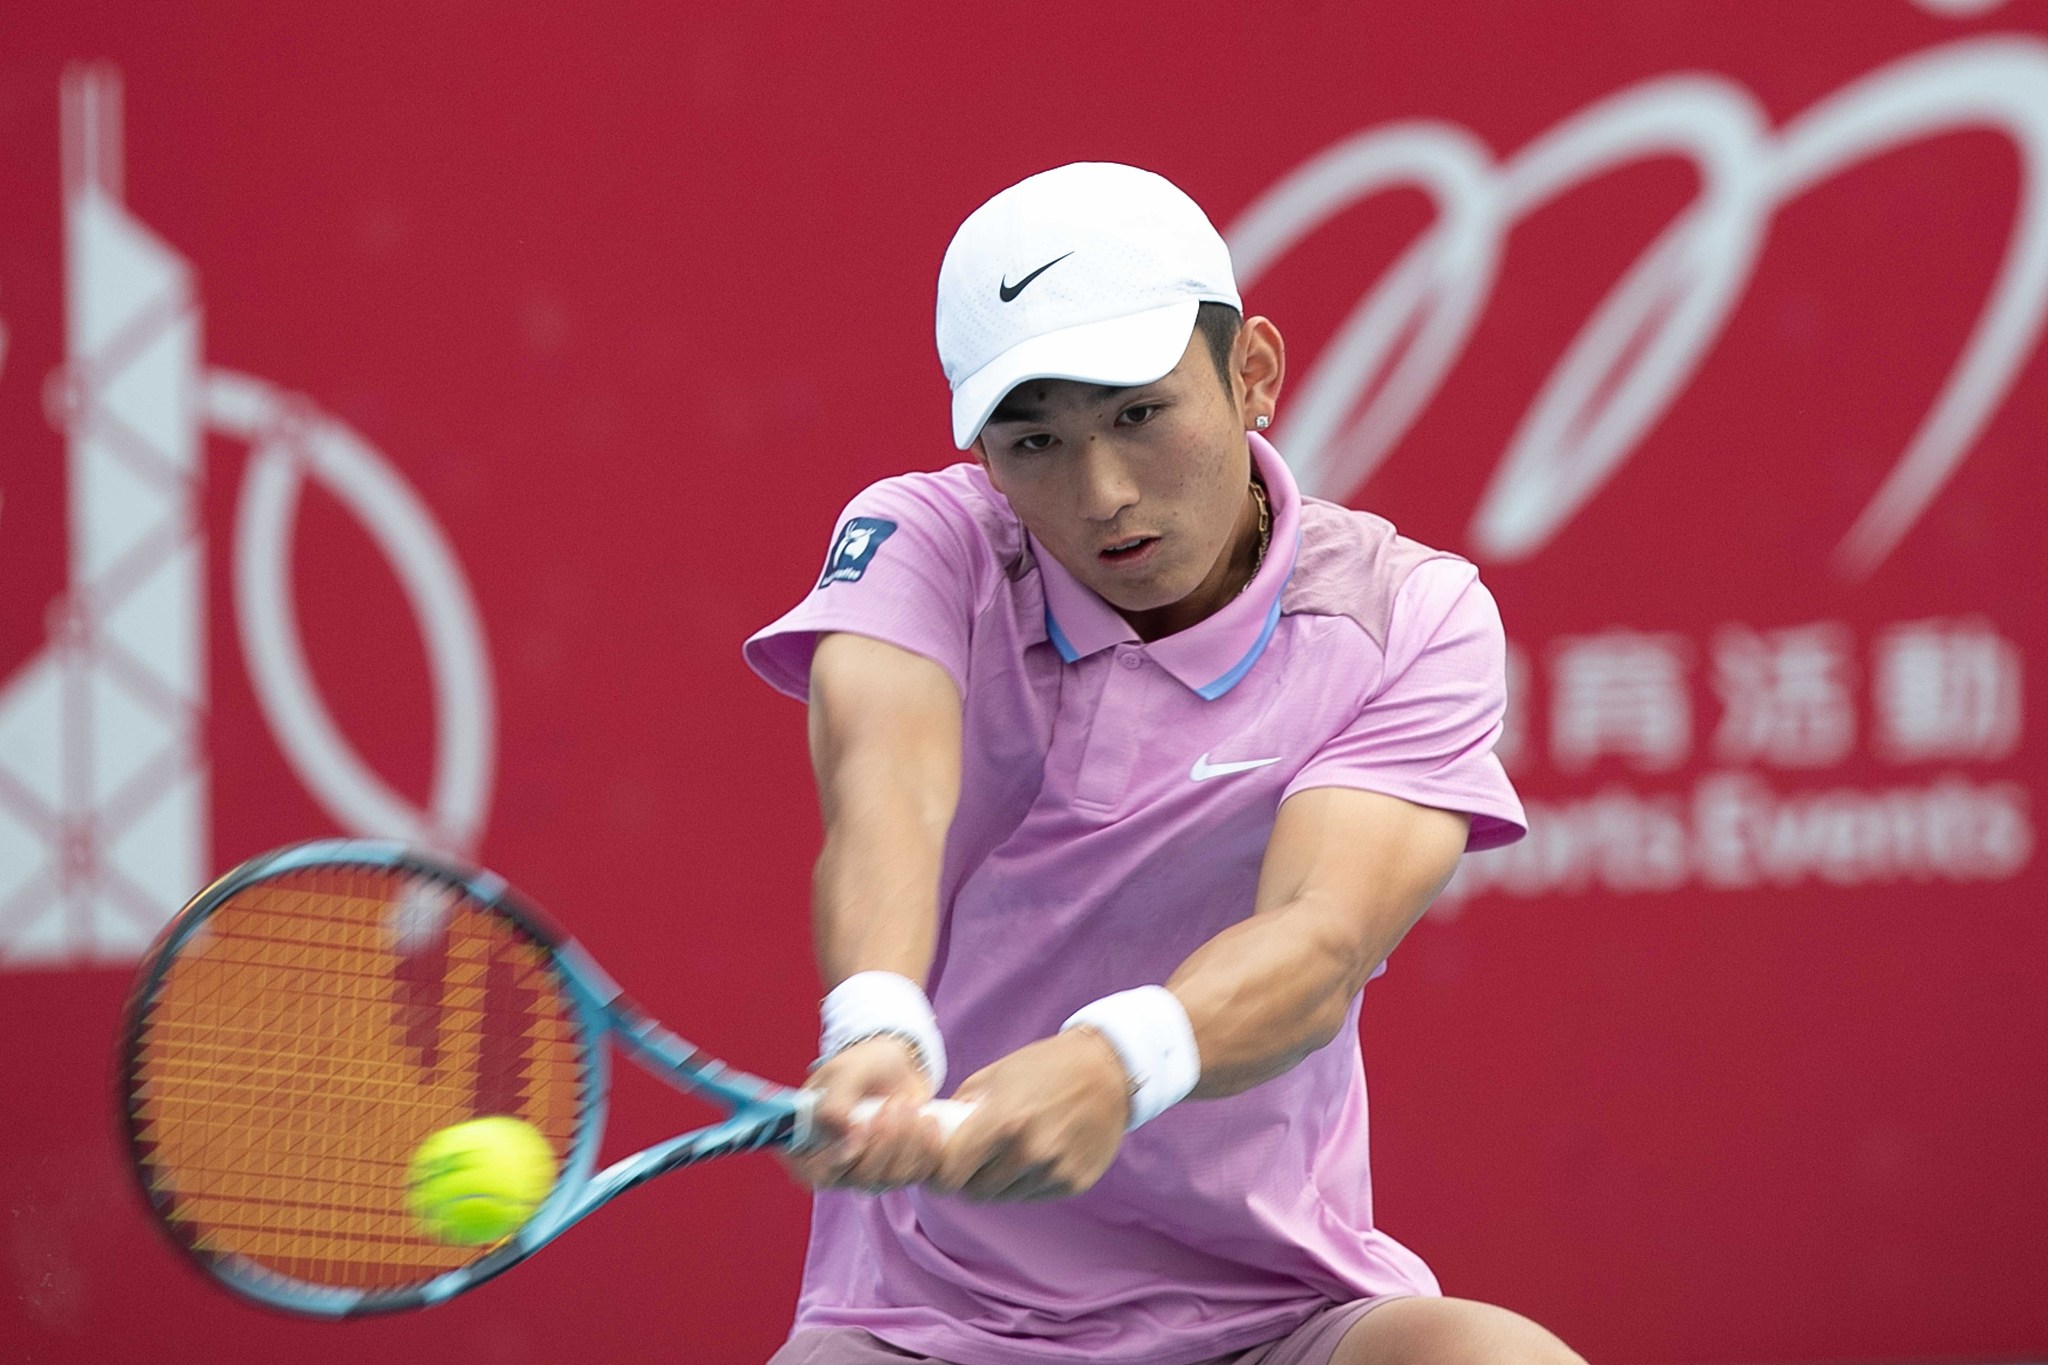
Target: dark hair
(1219,323)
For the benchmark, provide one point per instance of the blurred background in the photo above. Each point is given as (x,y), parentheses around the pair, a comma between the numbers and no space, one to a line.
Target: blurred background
(406,411)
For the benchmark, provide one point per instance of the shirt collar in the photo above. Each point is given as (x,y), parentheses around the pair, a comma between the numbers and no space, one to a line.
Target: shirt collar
(1210,656)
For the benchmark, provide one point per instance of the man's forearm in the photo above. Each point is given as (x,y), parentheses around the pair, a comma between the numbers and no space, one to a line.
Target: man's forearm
(1347,875)
(874,902)
(1269,990)
(885,745)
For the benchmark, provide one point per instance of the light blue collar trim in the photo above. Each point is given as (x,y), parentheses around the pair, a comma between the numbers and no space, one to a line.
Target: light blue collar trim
(1059,637)
(1243,666)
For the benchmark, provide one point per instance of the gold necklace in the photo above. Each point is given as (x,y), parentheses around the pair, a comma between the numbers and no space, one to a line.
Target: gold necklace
(1265,531)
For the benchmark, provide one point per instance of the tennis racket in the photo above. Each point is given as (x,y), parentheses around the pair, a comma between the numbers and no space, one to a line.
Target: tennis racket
(309,1019)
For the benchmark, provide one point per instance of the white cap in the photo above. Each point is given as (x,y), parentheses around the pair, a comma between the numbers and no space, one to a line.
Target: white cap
(1092,271)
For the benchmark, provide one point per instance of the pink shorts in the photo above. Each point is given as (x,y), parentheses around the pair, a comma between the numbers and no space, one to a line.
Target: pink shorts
(1312,1343)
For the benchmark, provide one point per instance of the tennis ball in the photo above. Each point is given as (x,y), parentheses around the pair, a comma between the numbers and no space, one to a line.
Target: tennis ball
(475,1182)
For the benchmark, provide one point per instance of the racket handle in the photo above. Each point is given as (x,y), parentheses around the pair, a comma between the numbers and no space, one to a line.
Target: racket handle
(949,1113)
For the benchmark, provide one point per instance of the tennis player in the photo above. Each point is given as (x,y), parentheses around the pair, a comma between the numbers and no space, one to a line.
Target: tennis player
(1135,764)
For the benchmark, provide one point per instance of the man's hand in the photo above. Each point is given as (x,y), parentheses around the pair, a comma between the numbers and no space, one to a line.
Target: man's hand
(898,1146)
(1046,1123)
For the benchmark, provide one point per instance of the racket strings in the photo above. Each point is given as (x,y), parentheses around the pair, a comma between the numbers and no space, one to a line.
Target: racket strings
(313,1032)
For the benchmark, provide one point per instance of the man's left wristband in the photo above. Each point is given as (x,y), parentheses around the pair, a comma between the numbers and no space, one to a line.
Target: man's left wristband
(1152,1036)
(882,1004)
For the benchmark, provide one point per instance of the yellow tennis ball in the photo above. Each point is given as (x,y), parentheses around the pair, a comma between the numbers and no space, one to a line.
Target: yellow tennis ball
(475,1182)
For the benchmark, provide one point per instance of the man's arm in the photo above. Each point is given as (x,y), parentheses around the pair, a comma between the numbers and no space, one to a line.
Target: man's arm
(1346,874)
(885,746)
(885,734)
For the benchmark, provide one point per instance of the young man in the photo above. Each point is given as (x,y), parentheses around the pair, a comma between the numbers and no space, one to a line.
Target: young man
(1135,765)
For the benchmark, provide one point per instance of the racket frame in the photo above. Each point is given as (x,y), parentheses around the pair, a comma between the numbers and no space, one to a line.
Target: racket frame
(762,1113)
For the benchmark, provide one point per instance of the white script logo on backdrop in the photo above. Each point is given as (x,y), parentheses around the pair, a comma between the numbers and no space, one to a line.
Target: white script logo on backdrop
(104,795)
(1647,338)
(1935,702)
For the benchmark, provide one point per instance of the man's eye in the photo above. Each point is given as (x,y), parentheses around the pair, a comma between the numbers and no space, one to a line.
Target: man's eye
(1033,444)
(1138,415)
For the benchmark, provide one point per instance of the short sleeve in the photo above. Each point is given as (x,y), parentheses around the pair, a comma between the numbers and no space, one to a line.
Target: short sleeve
(906,565)
(1426,733)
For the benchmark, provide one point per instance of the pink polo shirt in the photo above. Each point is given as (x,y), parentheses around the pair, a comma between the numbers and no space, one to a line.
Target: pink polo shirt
(1116,799)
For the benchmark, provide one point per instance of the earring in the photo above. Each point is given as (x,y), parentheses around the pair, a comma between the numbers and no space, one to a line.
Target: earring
(1262,421)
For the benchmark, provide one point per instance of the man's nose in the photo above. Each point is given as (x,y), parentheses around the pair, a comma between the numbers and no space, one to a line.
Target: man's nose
(1107,487)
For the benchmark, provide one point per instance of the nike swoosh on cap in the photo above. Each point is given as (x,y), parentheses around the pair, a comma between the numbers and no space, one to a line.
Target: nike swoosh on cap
(1010,291)
(1204,769)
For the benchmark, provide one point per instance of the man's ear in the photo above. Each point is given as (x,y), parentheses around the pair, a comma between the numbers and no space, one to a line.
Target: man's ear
(981,458)
(1261,367)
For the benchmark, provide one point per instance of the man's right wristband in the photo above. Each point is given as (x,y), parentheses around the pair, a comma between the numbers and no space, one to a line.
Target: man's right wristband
(883,1004)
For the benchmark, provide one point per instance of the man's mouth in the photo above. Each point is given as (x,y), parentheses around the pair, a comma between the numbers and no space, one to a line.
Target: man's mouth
(1128,550)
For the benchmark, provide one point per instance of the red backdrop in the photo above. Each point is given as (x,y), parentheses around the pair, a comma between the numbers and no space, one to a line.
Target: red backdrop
(545,343)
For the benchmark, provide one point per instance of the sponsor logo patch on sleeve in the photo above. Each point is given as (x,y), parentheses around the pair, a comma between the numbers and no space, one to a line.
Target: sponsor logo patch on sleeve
(854,547)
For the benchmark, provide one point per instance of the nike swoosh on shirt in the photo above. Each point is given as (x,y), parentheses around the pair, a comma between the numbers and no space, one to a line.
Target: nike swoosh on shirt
(1204,769)
(1010,291)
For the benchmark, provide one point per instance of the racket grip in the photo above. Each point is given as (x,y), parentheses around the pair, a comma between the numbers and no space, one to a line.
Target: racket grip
(949,1113)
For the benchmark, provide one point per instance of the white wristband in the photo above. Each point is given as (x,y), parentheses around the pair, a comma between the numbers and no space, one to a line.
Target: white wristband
(873,1004)
(1150,1031)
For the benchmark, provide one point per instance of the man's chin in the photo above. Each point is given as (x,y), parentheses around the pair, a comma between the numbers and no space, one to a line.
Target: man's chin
(1136,597)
